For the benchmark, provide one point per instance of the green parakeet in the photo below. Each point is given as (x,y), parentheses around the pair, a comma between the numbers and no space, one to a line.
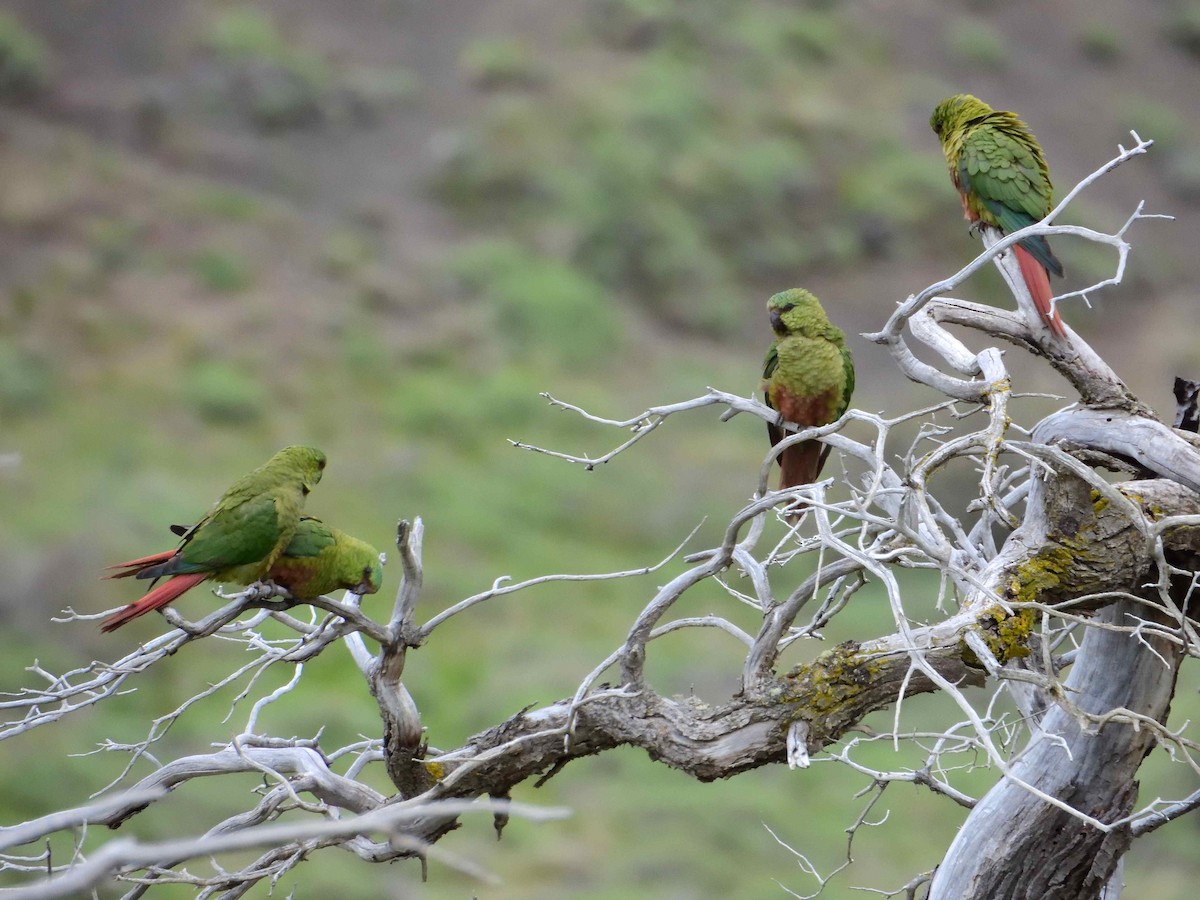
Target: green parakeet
(321,559)
(808,377)
(238,541)
(1003,181)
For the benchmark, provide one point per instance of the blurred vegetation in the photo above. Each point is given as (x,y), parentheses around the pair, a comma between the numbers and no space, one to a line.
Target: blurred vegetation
(494,63)
(225,394)
(702,171)
(279,84)
(151,416)
(26,381)
(976,44)
(222,271)
(539,306)
(25,68)
(284,84)
(1182,26)
(1100,43)
(629,200)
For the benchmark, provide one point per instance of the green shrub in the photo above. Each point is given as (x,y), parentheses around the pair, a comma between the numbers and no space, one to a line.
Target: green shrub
(666,102)
(650,247)
(542,307)
(222,271)
(245,32)
(225,394)
(364,351)
(976,44)
(226,203)
(749,198)
(794,34)
(497,170)
(900,185)
(493,63)
(700,171)
(467,407)
(1182,174)
(278,97)
(26,380)
(368,89)
(635,24)
(1182,26)
(24,61)
(1153,120)
(278,85)
(346,251)
(1100,43)
(114,241)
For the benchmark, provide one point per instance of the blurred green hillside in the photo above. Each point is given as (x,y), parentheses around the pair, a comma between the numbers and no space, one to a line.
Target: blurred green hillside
(383,228)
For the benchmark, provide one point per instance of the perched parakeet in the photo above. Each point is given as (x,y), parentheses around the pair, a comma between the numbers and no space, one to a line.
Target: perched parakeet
(808,377)
(321,559)
(1002,177)
(238,541)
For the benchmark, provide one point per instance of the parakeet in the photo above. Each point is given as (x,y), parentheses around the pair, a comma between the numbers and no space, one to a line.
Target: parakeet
(238,541)
(321,559)
(1003,180)
(808,377)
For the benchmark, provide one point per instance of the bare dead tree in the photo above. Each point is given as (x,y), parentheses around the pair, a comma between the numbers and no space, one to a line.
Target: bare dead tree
(1064,593)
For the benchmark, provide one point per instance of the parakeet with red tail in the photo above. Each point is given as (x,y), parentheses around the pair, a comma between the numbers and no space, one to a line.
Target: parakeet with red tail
(808,377)
(238,541)
(1003,181)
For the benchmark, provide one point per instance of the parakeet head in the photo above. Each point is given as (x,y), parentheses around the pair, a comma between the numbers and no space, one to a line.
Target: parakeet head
(306,462)
(954,112)
(796,311)
(372,576)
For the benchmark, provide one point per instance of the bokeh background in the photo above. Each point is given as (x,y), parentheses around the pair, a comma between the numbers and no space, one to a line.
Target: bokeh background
(382,227)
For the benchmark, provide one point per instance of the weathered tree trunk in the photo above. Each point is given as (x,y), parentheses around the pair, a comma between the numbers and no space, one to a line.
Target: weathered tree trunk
(1016,845)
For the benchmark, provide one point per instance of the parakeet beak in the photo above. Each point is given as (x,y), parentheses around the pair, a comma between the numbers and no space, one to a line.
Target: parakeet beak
(776,318)
(371,580)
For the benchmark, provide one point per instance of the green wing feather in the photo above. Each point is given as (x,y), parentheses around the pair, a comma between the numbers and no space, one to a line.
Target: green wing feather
(1003,175)
(235,534)
(1000,169)
(770,364)
(320,559)
(312,536)
(848,367)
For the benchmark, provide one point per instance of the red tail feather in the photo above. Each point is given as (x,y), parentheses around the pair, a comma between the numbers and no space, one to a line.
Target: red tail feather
(800,464)
(136,565)
(1038,282)
(162,595)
